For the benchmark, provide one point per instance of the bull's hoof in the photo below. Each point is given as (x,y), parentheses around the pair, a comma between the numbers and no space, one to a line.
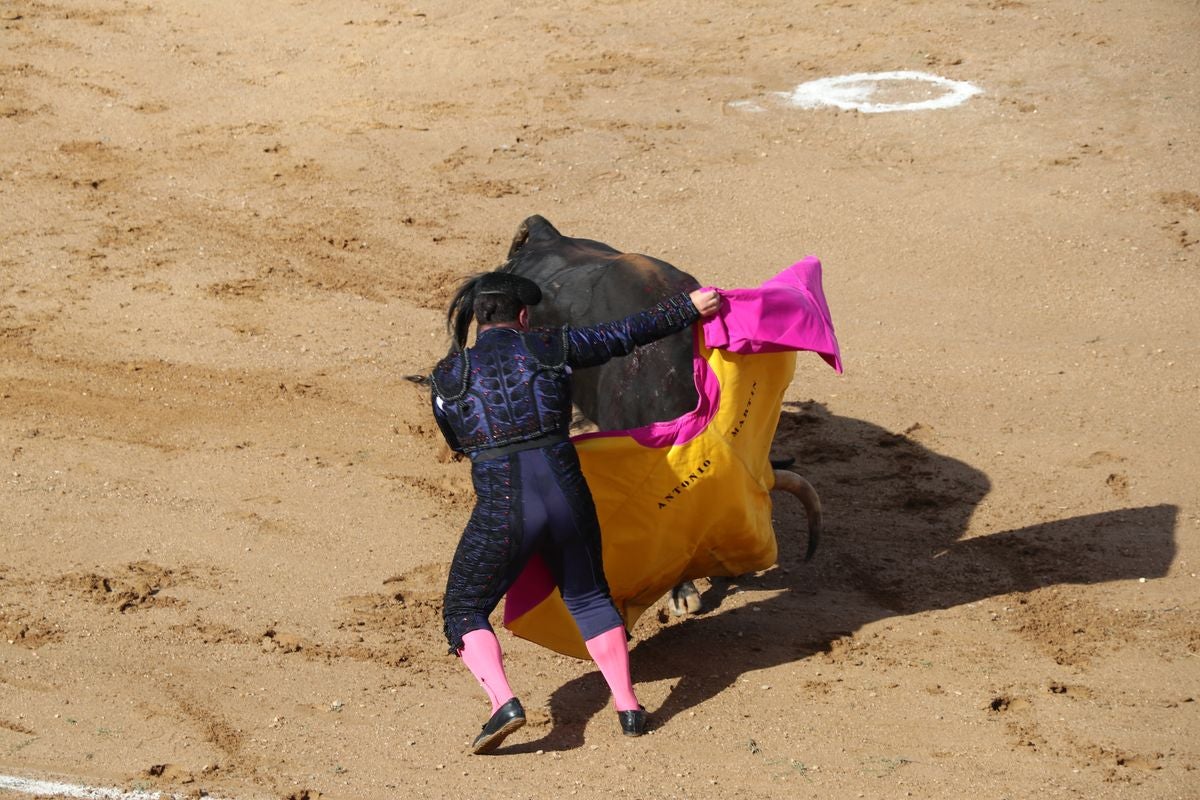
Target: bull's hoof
(685,599)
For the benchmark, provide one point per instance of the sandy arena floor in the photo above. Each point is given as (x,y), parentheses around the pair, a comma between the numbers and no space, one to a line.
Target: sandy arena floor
(228,231)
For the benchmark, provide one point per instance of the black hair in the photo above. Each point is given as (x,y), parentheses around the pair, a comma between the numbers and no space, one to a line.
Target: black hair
(489,297)
(462,310)
(496,307)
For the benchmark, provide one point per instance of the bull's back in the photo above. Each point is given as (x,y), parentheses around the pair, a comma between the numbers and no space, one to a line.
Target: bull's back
(585,282)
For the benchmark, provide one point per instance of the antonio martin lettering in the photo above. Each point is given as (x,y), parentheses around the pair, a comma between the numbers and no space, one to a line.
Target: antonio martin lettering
(686,484)
(737,428)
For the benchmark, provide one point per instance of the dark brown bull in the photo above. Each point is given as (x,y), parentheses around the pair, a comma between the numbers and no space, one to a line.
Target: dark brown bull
(585,282)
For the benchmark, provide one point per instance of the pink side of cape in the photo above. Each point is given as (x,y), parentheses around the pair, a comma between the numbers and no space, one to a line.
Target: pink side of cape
(788,312)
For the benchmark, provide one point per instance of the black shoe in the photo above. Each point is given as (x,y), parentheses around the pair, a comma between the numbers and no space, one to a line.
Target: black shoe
(507,719)
(633,723)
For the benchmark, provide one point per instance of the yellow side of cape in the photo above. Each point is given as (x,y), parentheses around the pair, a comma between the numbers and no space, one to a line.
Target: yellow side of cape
(697,509)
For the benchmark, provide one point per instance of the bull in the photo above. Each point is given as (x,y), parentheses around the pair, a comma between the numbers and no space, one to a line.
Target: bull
(585,282)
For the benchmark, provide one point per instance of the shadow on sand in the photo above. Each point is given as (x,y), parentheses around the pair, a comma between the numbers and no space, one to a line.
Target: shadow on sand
(895,511)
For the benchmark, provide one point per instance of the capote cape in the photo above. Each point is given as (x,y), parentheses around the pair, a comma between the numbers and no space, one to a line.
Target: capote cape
(690,497)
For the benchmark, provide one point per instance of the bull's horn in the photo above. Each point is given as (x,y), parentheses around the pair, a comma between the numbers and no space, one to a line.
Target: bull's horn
(790,482)
(537,228)
(519,239)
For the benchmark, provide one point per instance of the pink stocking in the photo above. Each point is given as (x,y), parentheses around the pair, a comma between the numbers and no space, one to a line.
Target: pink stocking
(611,655)
(481,653)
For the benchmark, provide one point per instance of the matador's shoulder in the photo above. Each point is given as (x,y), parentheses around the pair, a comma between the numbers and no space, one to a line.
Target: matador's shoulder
(448,378)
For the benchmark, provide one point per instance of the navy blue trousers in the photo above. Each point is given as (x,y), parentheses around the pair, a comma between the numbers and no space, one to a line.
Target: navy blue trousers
(533,501)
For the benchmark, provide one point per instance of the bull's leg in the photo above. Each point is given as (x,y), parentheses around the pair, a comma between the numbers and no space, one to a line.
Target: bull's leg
(685,599)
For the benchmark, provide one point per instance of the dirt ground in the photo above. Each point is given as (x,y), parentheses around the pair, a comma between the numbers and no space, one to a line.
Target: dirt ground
(227,234)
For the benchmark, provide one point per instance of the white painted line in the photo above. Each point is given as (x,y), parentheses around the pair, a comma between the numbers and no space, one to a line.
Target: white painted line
(853,92)
(14,783)
(747,105)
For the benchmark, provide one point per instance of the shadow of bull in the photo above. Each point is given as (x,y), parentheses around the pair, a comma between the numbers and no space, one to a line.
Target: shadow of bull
(896,512)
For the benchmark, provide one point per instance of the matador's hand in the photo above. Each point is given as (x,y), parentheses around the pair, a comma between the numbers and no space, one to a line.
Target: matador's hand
(706,301)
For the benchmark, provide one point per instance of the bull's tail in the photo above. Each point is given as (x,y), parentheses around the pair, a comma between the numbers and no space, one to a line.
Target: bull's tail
(536,228)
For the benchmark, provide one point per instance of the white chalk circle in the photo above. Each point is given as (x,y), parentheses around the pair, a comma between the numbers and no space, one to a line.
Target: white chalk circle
(881,92)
